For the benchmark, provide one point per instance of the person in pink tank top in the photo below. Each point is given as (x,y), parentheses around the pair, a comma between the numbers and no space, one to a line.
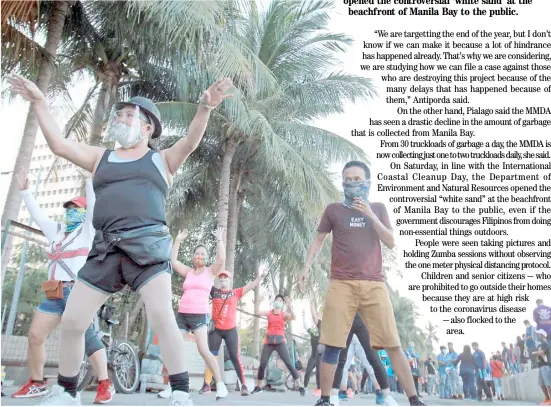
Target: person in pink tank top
(193,311)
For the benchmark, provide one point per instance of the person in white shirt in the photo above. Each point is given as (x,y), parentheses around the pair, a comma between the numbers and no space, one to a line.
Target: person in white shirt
(69,244)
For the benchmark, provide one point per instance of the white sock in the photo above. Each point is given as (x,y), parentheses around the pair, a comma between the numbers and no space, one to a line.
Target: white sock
(386,392)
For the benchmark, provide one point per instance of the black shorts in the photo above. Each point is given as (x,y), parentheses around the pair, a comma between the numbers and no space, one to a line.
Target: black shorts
(116,270)
(191,322)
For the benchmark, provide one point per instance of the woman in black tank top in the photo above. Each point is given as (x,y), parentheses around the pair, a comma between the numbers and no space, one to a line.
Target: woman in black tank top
(131,235)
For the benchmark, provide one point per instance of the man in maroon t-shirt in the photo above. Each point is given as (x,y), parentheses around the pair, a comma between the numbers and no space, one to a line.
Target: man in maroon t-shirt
(357,283)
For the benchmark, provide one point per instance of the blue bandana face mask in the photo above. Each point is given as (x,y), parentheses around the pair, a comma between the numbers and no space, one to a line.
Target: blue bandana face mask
(74,218)
(355,189)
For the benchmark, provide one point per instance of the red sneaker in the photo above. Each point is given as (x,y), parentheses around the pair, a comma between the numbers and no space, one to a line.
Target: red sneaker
(205,389)
(105,392)
(31,389)
(317,393)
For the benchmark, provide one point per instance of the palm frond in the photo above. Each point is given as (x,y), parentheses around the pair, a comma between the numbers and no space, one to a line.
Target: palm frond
(79,124)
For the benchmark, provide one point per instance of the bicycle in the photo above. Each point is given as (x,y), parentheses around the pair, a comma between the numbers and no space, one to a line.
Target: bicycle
(122,358)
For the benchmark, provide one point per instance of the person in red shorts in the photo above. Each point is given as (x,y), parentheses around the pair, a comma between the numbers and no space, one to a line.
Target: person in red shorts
(224,315)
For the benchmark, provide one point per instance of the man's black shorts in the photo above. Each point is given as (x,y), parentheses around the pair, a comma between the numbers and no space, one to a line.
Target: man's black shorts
(191,322)
(116,270)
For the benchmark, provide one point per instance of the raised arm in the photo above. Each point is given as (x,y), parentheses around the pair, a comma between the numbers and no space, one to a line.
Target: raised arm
(176,155)
(80,154)
(262,313)
(177,265)
(289,313)
(380,223)
(218,266)
(255,282)
(48,226)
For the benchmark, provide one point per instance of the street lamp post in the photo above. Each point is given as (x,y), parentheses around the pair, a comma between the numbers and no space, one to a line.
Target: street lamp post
(21,273)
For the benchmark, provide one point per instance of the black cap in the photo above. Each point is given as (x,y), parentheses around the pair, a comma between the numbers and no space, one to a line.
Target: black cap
(149,108)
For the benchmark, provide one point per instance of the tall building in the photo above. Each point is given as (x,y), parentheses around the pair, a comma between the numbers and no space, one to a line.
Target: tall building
(56,186)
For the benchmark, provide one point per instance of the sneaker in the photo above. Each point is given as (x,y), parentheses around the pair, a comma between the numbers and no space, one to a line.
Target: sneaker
(322,402)
(416,402)
(105,392)
(59,397)
(350,393)
(302,391)
(205,389)
(389,401)
(317,393)
(343,395)
(221,391)
(244,391)
(334,399)
(379,398)
(546,402)
(166,393)
(31,389)
(256,390)
(180,398)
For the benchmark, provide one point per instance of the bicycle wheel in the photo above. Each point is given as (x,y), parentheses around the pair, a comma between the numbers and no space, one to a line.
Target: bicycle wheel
(125,366)
(290,382)
(85,374)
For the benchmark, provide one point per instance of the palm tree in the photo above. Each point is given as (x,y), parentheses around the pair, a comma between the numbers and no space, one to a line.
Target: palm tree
(431,336)
(149,64)
(153,61)
(57,14)
(275,128)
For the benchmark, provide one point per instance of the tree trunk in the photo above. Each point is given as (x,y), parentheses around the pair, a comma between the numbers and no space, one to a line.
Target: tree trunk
(256,323)
(99,114)
(110,75)
(233,221)
(224,191)
(281,280)
(289,288)
(56,22)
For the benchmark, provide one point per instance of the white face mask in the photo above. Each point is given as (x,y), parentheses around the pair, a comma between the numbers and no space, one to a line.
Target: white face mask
(126,136)
(224,283)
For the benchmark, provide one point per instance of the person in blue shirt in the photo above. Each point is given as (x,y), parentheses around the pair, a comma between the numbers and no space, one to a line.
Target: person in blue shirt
(413,360)
(452,379)
(480,365)
(442,375)
(390,373)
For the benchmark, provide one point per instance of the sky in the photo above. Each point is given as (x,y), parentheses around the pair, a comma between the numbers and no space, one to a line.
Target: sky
(356,116)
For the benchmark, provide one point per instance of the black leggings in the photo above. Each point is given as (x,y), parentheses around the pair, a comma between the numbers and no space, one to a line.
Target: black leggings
(360,330)
(314,361)
(231,338)
(283,353)
(416,382)
(364,379)
(481,386)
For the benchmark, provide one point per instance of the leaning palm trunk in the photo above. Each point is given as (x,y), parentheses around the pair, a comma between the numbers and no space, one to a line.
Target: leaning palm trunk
(233,221)
(99,114)
(224,191)
(23,161)
(110,80)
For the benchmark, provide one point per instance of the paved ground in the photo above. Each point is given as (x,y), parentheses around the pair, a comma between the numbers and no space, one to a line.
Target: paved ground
(288,398)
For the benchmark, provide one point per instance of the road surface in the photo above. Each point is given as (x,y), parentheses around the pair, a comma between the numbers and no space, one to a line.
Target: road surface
(287,398)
